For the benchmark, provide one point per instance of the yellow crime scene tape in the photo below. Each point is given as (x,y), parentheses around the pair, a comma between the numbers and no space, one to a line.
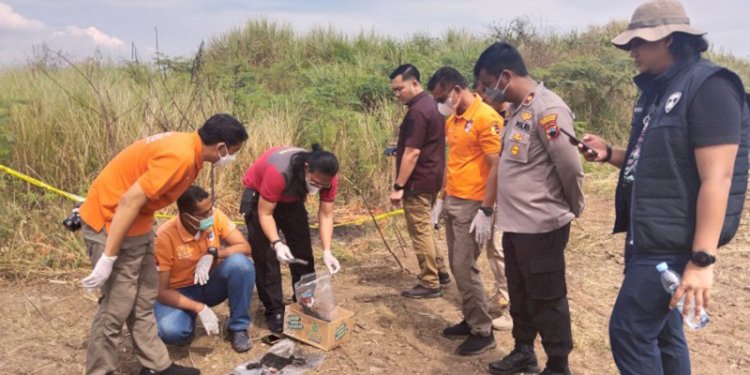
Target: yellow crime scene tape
(79,199)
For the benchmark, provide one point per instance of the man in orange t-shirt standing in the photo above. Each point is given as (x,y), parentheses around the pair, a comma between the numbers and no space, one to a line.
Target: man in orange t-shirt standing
(473,138)
(118,215)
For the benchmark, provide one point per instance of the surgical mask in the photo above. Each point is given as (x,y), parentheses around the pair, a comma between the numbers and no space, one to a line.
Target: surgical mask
(226,159)
(494,94)
(203,224)
(312,190)
(448,108)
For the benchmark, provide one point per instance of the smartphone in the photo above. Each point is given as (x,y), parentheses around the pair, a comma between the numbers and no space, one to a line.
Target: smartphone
(575,142)
(271,339)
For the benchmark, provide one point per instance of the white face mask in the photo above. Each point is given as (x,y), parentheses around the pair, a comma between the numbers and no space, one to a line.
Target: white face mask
(312,190)
(448,108)
(225,160)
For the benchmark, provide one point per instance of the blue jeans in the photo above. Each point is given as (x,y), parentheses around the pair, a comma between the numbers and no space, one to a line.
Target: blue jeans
(646,337)
(233,278)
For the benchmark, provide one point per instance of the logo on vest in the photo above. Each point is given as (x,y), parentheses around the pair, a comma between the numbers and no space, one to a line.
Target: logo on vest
(672,101)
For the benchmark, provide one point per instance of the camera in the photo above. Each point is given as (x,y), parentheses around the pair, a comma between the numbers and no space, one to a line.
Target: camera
(390,151)
(73,221)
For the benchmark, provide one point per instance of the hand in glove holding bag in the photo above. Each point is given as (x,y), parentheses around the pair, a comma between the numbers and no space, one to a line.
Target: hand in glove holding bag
(331,262)
(202,269)
(209,320)
(101,272)
(481,226)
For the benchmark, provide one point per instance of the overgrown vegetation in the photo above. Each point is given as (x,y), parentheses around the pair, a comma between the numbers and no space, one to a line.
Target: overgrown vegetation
(61,121)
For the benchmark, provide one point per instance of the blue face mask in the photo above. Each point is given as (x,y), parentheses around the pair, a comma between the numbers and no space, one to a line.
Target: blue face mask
(205,224)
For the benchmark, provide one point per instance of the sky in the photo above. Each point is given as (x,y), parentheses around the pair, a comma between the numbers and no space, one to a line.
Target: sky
(114,27)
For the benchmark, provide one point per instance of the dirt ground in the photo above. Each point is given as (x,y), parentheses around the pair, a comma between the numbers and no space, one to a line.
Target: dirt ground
(44,324)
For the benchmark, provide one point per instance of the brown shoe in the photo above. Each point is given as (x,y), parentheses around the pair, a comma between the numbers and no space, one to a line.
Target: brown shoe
(419,291)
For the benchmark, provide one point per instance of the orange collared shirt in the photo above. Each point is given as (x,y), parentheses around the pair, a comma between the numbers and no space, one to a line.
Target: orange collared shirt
(164,165)
(470,136)
(178,251)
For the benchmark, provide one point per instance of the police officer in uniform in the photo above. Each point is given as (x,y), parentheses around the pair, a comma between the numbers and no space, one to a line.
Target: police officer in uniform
(539,192)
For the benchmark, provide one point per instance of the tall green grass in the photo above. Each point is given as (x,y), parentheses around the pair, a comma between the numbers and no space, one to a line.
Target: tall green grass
(62,121)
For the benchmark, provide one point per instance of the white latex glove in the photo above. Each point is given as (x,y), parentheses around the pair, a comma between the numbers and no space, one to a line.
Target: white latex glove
(209,320)
(283,254)
(100,273)
(331,262)
(437,212)
(202,269)
(481,226)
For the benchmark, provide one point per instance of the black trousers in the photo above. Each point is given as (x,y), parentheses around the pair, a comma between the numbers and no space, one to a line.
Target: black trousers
(535,268)
(291,220)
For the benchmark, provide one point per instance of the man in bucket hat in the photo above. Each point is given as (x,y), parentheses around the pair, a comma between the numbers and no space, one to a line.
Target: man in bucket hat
(682,184)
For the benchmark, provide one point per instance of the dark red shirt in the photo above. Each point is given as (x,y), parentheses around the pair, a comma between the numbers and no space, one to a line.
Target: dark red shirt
(423,128)
(269,175)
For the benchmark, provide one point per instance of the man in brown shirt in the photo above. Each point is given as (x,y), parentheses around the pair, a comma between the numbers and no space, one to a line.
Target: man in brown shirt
(420,165)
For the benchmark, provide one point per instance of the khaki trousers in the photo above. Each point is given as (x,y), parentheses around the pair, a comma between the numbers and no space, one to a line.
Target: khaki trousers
(463,252)
(127,298)
(496,260)
(418,214)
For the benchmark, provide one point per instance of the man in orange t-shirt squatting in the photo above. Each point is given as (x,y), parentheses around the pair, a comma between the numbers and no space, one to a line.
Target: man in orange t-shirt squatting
(118,216)
(196,272)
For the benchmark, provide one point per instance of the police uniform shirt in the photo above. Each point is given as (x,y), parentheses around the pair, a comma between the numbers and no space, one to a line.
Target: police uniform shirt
(540,176)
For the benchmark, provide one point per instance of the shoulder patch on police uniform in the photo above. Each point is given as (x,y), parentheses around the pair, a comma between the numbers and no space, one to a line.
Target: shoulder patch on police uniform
(526,115)
(549,123)
(672,101)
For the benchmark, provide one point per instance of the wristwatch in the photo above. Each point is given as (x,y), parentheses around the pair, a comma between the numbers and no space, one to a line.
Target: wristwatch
(702,259)
(486,210)
(214,252)
(397,187)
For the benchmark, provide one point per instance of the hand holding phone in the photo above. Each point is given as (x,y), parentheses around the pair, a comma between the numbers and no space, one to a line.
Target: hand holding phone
(577,142)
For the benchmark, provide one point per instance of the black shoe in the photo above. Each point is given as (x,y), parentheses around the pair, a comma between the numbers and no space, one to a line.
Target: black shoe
(521,359)
(275,322)
(459,330)
(547,371)
(240,341)
(174,369)
(444,278)
(421,292)
(476,344)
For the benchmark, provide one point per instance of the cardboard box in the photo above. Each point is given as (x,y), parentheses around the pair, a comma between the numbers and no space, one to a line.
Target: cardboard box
(316,332)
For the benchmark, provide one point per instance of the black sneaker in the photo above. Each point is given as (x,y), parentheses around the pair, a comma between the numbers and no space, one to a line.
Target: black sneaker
(521,359)
(444,278)
(275,322)
(547,371)
(421,292)
(240,341)
(459,330)
(476,344)
(174,369)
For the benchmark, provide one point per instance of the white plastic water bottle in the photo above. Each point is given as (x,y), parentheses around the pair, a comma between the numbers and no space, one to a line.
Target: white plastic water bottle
(670,280)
